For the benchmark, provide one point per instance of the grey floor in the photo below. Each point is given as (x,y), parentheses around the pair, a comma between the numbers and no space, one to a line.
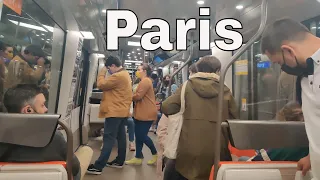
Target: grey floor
(144,172)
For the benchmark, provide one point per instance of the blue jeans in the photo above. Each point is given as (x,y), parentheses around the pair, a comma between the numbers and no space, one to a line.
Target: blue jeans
(114,129)
(141,130)
(130,124)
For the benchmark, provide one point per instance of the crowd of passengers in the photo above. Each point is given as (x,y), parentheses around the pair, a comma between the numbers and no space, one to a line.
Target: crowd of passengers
(195,148)
(195,153)
(30,66)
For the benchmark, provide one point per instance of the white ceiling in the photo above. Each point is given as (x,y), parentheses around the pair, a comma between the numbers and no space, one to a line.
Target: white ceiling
(250,15)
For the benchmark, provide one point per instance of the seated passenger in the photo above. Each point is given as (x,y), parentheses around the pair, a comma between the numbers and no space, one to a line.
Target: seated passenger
(29,99)
(290,112)
(196,147)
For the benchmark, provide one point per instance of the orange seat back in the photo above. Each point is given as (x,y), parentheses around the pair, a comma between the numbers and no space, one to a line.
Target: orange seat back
(239,153)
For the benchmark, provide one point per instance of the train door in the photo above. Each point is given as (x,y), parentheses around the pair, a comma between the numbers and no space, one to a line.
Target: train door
(255,81)
(241,85)
(83,84)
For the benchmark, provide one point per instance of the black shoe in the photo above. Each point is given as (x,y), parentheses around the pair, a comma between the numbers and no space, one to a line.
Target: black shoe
(92,170)
(114,164)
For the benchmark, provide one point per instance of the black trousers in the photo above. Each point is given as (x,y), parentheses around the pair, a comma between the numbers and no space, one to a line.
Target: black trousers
(170,172)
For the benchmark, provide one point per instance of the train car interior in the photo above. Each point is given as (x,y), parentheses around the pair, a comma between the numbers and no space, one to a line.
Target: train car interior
(53,113)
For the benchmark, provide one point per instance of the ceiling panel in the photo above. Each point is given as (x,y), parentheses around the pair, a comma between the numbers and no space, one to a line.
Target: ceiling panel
(250,15)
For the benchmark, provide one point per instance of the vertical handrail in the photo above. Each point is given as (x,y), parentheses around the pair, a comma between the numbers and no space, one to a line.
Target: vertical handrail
(69,148)
(264,15)
(180,68)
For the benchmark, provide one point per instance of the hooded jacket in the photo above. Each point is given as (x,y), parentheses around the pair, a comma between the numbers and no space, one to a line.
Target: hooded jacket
(195,153)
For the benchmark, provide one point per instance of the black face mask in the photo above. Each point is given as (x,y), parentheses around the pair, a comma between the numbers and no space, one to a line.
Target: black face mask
(298,70)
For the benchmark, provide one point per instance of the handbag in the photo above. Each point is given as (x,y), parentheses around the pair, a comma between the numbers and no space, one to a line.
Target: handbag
(174,129)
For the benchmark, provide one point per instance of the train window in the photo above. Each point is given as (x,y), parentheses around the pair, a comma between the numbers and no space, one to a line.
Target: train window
(265,79)
(32,53)
(255,79)
(313,25)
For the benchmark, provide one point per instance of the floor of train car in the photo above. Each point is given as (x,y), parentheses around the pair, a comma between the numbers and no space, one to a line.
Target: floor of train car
(143,172)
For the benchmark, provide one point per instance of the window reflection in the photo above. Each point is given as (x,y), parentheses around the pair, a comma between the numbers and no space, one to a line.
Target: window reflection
(26,54)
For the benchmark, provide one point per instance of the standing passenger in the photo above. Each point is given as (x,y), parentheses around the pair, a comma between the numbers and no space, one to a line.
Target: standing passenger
(192,70)
(145,112)
(290,44)
(21,69)
(195,152)
(115,108)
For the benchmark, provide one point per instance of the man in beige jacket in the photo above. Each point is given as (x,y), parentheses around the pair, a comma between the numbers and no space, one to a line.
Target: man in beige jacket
(115,108)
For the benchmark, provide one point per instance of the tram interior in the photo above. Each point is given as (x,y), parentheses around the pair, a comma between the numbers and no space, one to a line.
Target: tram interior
(71,36)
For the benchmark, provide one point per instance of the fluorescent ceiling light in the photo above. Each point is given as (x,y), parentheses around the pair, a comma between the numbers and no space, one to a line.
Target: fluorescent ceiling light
(87,35)
(37,35)
(313,27)
(239,7)
(136,36)
(22,24)
(104,11)
(42,39)
(146,55)
(139,53)
(127,63)
(1,36)
(133,43)
(200,2)
(176,62)
(138,49)
(130,61)
(101,56)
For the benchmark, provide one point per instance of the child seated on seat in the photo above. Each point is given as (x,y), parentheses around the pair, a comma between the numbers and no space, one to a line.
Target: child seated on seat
(290,112)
